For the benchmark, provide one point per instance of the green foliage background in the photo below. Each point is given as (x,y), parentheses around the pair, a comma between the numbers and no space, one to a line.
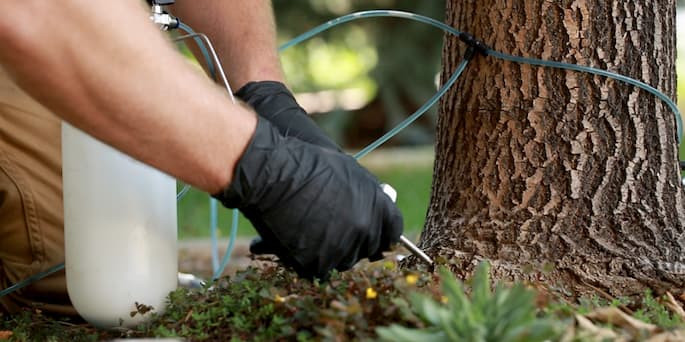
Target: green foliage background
(395,61)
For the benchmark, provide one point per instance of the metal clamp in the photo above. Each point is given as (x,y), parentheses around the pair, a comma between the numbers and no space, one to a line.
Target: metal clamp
(160,17)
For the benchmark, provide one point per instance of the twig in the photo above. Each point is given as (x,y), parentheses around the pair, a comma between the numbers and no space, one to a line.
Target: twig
(672,304)
(187,317)
(610,298)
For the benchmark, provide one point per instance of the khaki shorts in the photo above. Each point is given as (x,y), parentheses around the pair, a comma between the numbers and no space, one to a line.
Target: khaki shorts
(31,214)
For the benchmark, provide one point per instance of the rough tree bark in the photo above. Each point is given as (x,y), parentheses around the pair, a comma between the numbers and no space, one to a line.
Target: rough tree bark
(559,176)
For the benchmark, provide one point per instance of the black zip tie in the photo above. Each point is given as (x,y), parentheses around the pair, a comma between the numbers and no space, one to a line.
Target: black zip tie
(474,43)
(470,52)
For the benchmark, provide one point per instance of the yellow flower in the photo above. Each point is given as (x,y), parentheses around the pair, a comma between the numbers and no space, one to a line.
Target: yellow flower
(371,293)
(411,279)
(444,299)
(279,299)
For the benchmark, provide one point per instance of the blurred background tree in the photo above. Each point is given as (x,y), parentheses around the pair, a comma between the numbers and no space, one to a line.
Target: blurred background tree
(361,78)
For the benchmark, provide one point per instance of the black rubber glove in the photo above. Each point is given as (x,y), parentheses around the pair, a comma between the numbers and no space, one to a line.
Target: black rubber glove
(272,100)
(324,209)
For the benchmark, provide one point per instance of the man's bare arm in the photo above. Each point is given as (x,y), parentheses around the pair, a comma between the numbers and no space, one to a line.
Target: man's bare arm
(243,33)
(106,69)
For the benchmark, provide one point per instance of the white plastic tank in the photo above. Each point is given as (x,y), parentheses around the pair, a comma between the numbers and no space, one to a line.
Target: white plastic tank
(120,232)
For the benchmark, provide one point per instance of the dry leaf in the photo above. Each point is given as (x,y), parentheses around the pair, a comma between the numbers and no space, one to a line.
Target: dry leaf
(592,332)
(5,334)
(569,335)
(668,336)
(672,304)
(619,318)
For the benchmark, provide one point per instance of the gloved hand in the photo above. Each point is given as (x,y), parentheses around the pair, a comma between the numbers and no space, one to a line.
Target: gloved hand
(272,100)
(325,211)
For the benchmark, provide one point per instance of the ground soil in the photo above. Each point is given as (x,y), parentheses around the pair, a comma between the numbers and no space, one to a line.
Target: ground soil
(195,256)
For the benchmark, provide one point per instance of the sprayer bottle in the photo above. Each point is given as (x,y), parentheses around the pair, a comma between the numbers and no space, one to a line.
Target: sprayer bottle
(120,232)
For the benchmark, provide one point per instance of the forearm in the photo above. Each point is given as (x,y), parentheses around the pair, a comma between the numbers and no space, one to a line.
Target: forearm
(243,33)
(107,70)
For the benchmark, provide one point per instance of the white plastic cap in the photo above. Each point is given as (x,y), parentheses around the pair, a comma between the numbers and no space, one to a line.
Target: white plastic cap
(390,191)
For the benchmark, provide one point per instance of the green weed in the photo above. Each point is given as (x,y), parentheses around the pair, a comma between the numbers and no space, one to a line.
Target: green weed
(507,314)
(653,311)
(371,301)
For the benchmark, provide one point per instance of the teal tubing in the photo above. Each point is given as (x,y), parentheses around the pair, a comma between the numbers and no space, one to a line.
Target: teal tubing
(525,60)
(367,14)
(328,25)
(462,66)
(183,192)
(600,72)
(203,49)
(212,73)
(210,68)
(213,207)
(231,244)
(31,279)
(213,226)
(408,121)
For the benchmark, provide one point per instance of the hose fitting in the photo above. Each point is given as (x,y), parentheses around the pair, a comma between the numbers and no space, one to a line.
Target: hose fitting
(160,17)
(475,43)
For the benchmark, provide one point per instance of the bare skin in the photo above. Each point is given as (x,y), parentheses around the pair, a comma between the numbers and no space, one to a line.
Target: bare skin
(244,34)
(107,70)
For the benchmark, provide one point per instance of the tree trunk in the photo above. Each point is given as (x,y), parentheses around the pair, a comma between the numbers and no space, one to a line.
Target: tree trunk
(560,176)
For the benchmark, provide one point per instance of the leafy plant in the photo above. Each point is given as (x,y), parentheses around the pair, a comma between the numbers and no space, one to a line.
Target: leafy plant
(271,304)
(653,311)
(507,314)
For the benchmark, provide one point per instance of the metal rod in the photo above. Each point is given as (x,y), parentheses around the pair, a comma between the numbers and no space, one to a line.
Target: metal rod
(416,250)
(392,193)
(220,69)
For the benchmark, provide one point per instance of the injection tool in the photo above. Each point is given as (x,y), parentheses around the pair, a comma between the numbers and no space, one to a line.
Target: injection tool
(392,193)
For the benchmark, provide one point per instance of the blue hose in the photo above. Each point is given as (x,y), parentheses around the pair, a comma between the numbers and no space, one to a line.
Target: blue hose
(219,268)
(419,112)
(30,280)
(203,49)
(559,65)
(367,14)
(524,60)
(231,243)
(328,25)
